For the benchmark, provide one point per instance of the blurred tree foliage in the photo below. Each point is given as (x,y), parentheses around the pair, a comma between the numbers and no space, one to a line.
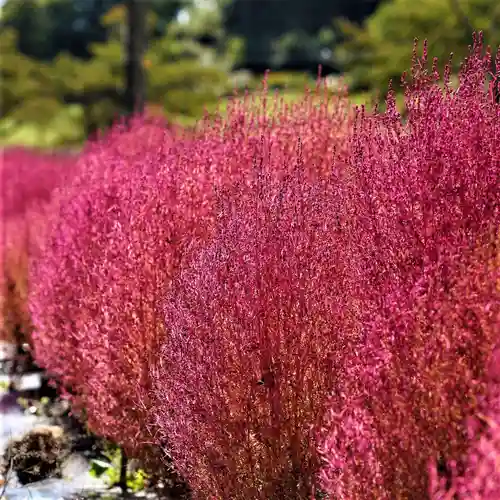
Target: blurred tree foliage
(278,34)
(381,48)
(29,99)
(183,74)
(48,27)
(290,34)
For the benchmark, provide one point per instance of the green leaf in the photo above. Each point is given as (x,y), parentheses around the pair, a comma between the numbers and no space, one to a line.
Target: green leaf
(98,467)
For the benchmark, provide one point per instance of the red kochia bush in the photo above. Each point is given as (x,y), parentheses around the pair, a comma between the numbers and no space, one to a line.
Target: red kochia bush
(29,179)
(377,291)
(118,238)
(424,197)
(84,283)
(252,325)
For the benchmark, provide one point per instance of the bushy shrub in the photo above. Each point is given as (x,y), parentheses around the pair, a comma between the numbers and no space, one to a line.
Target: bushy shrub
(29,178)
(246,366)
(118,236)
(84,267)
(424,199)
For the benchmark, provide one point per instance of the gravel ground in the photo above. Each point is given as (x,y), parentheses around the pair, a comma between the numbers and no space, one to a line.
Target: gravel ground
(76,482)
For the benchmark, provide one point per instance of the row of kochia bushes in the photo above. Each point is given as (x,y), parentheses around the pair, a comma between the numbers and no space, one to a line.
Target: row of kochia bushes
(288,303)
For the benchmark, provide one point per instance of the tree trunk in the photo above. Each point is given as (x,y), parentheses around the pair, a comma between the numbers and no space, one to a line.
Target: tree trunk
(136,41)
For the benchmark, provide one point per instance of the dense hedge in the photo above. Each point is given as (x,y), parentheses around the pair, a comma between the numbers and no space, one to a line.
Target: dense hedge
(292,300)
(119,236)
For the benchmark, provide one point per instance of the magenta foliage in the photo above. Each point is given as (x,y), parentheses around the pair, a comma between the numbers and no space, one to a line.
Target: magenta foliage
(119,235)
(423,199)
(30,176)
(246,367)
(29,179)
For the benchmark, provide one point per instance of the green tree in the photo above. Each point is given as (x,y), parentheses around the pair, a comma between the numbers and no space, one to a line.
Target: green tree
(183,76)
(381,48)
(29,100)
(49,27)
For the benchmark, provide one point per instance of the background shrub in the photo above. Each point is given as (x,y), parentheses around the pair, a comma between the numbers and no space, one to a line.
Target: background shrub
(29,180)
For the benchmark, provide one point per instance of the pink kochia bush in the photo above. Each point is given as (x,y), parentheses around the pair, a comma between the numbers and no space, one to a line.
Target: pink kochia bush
(424,195)
(118,235)
(343,325)
(251,355)
(29,179)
